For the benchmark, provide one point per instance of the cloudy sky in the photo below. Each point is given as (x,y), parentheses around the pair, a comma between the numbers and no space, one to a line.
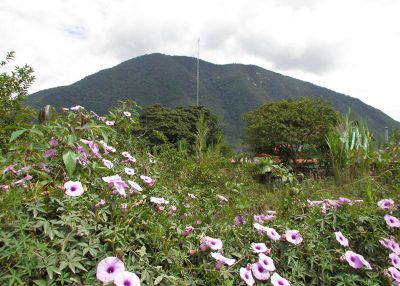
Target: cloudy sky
(350,46)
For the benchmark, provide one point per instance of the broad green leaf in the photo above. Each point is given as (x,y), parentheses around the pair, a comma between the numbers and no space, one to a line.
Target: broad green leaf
(16,134)
(158,280)
(69,158)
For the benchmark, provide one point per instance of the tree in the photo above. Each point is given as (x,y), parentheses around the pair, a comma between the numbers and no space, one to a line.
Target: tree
(13,90)
(170,125)
(288,127)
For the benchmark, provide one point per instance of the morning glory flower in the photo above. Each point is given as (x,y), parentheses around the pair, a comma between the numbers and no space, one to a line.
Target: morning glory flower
(277,280)
(266,262)
(188,230)
(77,107)
(148,180)
(222,199)
(392,221)
(260,248)
(272,234)
(391,244)
(259,272)
(135,186)
(53,142)
(293,236)
(386,204)
(110,123)
(395,259)
(126,278)
(239,219)
(132,159)
(127,114)
(108,268)
(341,239)
(394,273)
(355,260)
(108,164)
(246,276)
(73,189)
(221,260)
(209,242)
(129,171)
(126,154)
(49,153)
(158,201)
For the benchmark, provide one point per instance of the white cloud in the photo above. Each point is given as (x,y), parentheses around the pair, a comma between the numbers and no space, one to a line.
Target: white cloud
(348,46)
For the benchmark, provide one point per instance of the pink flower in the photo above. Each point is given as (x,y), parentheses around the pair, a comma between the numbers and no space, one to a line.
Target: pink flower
(209,242)
(116,183)
(293,236)
(100,203)
(53,142)
(132,159)
(266,262)
(129,171)
(395,259)
(392,221)
(386,204)
(272,234)
(239,219)
(260,273)
(394,273)
(110,123)
(126,154)
(49,153)
(158,201)
(188,230)
(221,260)
(108,164)
(391,244)
(135,186)
(260,227)
(355,260)
(261,218)
(4,188)
(107,148)
(246,276)
(126,278)
(73,189)
(341,239)
(222,199)
(127,114)
(277,280)
(124,206)
(108,268)
(260,248)
(148,180)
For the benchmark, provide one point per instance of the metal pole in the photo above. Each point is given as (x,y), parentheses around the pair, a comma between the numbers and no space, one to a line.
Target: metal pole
(198,56)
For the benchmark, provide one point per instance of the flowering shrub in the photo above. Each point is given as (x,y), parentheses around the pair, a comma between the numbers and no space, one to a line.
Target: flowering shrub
(98,208)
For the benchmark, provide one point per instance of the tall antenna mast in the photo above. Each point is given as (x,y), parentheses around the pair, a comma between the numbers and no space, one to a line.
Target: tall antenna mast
(198,56)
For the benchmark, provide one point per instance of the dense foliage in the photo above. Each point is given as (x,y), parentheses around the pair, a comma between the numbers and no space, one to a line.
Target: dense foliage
(63,238)
(176,125)
(227,90)
(292,128)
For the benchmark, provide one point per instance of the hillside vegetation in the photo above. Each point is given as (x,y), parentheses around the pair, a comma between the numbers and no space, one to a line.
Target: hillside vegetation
(228,90)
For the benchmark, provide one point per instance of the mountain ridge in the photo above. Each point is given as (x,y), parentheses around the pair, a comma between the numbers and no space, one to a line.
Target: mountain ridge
(229,90)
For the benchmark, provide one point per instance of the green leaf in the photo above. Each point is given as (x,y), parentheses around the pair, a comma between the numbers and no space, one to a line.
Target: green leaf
(16,134)
(158,280)
(69,158)
(37,131)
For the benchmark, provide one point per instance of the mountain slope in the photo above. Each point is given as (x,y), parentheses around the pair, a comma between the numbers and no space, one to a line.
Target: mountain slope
(228,90)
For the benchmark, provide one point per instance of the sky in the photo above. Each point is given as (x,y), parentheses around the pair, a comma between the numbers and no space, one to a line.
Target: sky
(349,46)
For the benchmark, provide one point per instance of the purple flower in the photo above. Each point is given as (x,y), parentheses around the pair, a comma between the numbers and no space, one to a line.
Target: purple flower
(148,180)
(126,154)
(83,157)
(266,262)
(132,159)
(127,114)
(50,153)
(260,227)
(53,142)
(341,239)
(116,183)
(108,164)
(260,248)
(110,123)
(124,206)
(239,219)
(188,230)
(394,273)
(221,260)
(158,201)
(293,236)
(93,147)
(246,276)
(259,272)
(222,199)
(272,234)
(172,210)
(135,186)
(395,259)
(391,244)
(355,260)
(392,221)
(277,280)
(129,171)
(108,268)
(261,218)
(386,204)
(4,188)
(100,203)
(209,242)
(125,278)
(107,148)
(73,189)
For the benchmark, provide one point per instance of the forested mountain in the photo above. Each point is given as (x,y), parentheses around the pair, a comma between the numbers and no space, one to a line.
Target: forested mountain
(228,90)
